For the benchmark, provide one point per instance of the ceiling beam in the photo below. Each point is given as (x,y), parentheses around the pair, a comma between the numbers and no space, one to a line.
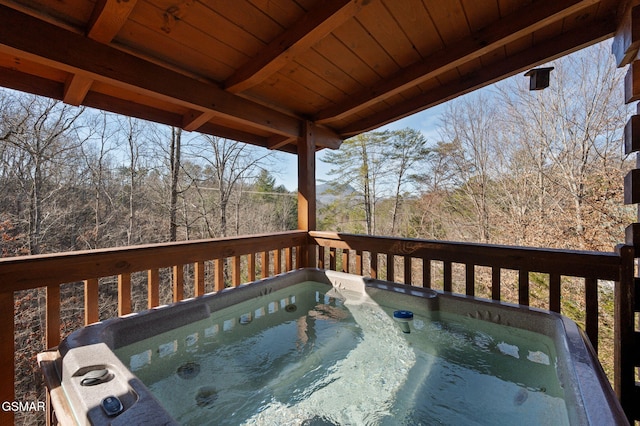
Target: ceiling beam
(531,18)
(106,21)
(539,54)
(316,24)
(109,16)
(64,50)
(277,142)
(76,88)
(193,120)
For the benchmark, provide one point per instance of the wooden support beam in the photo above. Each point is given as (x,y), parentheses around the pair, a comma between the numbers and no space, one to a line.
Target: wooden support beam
(196,119)
(626,40)
(624,364)
(54,45)
(307,180)
(108,18)
(277,142)
(316,24)
(106,21)
(7,354)
(541,53)
(535,16)
(76,88)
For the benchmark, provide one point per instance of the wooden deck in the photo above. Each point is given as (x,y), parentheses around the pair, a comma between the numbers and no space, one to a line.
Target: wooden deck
(410,261)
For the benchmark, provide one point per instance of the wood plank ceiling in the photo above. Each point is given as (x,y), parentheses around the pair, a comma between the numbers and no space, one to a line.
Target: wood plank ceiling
(257,70)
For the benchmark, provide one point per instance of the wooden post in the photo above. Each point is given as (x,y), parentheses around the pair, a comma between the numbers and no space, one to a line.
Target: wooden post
(625,48)
(307,190)
(7,372)
(624,356)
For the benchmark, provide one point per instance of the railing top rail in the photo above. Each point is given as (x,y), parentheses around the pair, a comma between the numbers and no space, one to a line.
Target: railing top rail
(20,273)
(588,264)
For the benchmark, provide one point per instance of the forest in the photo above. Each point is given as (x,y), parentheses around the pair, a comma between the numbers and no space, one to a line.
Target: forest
(508,166)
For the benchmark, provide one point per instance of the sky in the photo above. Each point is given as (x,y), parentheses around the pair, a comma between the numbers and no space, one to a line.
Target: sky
(427,122)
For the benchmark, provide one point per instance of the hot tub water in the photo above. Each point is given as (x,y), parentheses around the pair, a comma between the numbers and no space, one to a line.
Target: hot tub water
(340,358)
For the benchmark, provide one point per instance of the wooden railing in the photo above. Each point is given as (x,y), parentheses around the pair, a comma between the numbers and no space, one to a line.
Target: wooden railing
(590,266)
(276,253)
(230,261)
(415,261)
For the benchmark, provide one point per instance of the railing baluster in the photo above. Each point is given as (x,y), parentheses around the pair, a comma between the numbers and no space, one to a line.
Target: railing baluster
(523,287)
(235,271)
(446,276)
(277,262)
(495,283)
(52,324)
(7,353)
(124,294)
(407,270)
(178,283)
(264,257)
(288,258)
(251,267)
(591,302)
(470,279)
(373,260)
(218,279)
(153,288)
(332,258)
(298,262)
(426,273)
(91,310)
(198,278)
(345,260)
(554,292)
(320,257)
(391,273)
(358,262)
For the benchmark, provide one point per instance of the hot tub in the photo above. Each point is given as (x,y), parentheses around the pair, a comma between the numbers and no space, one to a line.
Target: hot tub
(314,347)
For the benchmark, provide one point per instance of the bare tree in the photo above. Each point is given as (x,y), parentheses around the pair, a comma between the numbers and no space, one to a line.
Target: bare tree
(43,131)
(360,165)
(97,158)
(407,147)
(572,129)
(228,163)
(470,126)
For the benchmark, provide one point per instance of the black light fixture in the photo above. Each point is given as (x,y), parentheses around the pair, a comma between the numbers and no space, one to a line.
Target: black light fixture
(539,78)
